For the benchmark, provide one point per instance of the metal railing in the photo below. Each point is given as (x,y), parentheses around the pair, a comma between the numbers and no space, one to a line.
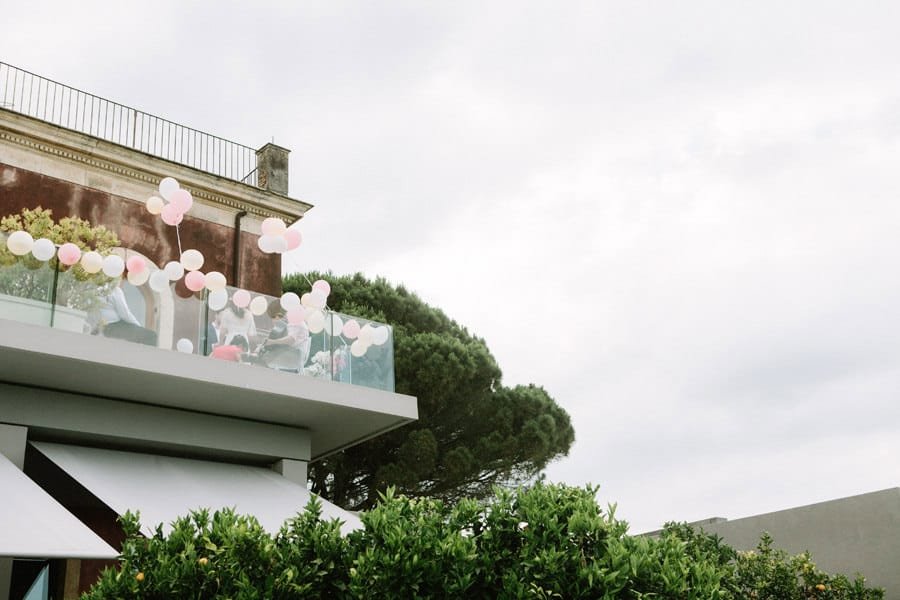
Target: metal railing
(35,96)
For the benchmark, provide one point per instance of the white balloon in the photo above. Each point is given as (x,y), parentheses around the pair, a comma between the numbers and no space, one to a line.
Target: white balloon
(266,243)
(215,281)
(259,305)
(43,249)
(358,348)
(155,205)
(113,265)
(334,325)
(167,186)
(380,335)
(318,298)
(174,270)
(139,278)
(280,245)
(307,300)
(367,334)
(217,299)
(315,320)
(289,300)
(192,260)
(20,243)
(159,281)
(91,261)
(185,345)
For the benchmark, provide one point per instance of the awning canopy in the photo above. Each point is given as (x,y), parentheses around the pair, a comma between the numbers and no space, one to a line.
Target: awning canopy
(164,488)
(34,525)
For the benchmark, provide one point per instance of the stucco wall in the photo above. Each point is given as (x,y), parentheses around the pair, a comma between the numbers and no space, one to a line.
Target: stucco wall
(849,535)
(140,231)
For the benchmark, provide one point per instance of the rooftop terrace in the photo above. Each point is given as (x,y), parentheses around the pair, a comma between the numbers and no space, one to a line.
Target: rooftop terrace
(29,94)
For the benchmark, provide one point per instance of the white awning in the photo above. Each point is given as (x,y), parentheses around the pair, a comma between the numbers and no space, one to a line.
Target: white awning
(164,488)
(34,525)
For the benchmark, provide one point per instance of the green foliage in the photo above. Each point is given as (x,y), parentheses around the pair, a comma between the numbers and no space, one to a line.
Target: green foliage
(546,541)
(27,277)
(768,573)
(39,223)
(549,541)
(553,541)
(412,548)
(472,433)
(229,556)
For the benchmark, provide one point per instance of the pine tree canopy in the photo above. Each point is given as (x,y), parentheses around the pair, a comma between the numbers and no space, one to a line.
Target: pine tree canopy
(472,434)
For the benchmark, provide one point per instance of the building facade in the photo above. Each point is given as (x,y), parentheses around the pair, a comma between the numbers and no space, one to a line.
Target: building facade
(92,426)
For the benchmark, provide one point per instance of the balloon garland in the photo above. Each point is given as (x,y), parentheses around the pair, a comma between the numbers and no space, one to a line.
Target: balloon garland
(172,203)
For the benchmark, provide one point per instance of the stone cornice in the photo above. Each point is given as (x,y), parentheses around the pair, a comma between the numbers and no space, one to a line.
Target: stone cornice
(144,169)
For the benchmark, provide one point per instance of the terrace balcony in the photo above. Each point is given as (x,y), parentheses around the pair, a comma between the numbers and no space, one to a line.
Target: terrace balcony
(97,418)
(54,339)
(40,98)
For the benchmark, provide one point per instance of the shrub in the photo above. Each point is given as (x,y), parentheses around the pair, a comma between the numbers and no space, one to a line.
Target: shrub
(27,277)
(768,573)
(547,541)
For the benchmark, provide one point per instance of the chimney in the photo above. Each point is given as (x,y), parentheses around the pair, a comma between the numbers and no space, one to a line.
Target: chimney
(272,169)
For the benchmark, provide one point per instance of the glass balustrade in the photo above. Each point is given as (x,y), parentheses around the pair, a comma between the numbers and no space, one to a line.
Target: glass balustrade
(26,292)
(319,344)
(305,341)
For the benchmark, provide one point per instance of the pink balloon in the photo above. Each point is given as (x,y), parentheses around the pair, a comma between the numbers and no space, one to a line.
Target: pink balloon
(136,264)
(351,329)
(322,285)
(241,298)
(69,254)
(195,281)
(295,316)
(181,200)
(171,215)
(293,238)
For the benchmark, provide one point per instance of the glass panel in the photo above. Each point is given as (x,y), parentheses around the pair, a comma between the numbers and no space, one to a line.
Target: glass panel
(367,358)
(30,580)
(343,348)
(80,299)
(26,288)
(189,312)
(260,334)
(40,589)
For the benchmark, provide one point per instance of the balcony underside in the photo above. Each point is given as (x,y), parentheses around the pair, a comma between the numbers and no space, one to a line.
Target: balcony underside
(336,415)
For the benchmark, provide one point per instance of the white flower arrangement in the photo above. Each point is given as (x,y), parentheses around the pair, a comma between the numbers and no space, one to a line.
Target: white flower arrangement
(325,363)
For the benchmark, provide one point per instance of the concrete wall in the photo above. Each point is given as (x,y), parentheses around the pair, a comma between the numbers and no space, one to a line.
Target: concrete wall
(849,535)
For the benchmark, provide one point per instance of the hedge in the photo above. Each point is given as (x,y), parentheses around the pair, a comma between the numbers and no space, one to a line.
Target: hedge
(546,541)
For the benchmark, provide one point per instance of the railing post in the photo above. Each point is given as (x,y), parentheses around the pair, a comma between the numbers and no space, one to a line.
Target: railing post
(53,291)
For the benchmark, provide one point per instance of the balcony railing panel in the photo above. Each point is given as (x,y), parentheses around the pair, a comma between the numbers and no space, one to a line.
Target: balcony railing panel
(35,96)
(43,293)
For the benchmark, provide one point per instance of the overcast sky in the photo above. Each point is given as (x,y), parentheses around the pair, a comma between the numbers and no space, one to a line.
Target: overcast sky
(679,218)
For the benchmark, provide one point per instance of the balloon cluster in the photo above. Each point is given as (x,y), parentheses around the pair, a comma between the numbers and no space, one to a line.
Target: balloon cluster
(173,205)
(315,300)
(276,238)
(309,309)
(366,336)
(21,243)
